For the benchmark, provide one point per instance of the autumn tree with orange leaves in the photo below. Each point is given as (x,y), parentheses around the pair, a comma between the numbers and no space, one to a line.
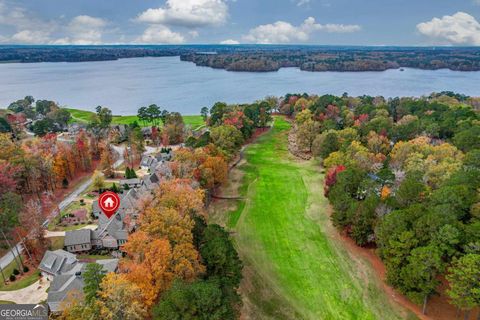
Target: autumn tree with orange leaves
(162,249)
(181,196)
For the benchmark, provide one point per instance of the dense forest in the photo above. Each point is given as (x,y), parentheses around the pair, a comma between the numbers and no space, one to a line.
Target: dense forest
(343,59)
(403,175)
(260,58)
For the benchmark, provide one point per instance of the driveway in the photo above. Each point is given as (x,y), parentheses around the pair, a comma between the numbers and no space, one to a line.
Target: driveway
(32,294)
(50,234)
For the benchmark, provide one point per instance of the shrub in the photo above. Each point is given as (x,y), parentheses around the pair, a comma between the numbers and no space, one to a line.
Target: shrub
(16,272)
(25,269)
(13,278)
(82,202)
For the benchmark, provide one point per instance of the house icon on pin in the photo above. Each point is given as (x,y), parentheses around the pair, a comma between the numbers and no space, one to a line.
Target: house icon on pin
(109,203)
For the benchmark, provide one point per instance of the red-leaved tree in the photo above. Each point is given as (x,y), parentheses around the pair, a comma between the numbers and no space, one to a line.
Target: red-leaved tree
(331,177)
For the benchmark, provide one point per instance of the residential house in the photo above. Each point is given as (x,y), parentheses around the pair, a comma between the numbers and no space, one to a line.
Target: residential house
(149,183)
(71,282)
(75,128)
(146,162)
(96,211)
(56,262)
(119,132)
(78,240)
(147,132)
(163,170)
(113,233)
(131,183)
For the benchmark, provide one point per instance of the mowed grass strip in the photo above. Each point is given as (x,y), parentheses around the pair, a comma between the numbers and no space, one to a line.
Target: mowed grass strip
(195,121)
(280,233)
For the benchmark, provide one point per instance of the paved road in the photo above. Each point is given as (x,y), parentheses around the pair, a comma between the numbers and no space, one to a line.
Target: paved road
(9,256)
(84,186)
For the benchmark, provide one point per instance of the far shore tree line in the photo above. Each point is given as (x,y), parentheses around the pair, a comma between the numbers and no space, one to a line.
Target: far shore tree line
(403,175)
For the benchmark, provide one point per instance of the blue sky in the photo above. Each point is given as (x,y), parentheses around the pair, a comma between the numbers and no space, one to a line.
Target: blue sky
(329,22)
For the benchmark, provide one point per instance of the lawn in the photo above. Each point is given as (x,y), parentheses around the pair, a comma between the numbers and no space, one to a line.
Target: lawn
(293,267)
(20,283)
(194,121)
(75,205)
(93,257)
(56,243)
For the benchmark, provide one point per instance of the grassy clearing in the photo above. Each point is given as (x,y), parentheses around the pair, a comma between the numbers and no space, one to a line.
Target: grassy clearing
(293,267)
(24,282)
(84,116)
(56,243)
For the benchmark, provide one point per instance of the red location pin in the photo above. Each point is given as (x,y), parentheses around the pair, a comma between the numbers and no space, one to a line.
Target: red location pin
(109,202)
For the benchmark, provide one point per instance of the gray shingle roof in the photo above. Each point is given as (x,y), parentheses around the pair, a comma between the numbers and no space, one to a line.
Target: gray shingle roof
(65,283)
(130,182)
(60,288)
(151,181)
(120,235)
(153,165)
(96,209)
(109,265)
(109,242)
(163,170)
(75,237)
(146,161)
(58,261)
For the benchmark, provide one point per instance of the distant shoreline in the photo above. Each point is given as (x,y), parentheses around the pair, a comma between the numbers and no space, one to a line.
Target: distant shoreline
(263,58)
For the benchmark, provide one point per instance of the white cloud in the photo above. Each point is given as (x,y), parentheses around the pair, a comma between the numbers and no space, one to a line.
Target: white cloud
(15,16)
(278,32)
(29,36)
(302,2)
(460,28)
(188,13)
(193,33)
(84,30)
(28,28)
(229,41)
(285,32)
(160,35)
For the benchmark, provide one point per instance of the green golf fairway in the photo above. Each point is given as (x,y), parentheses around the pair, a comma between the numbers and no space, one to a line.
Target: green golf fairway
(282,234)
(84,116)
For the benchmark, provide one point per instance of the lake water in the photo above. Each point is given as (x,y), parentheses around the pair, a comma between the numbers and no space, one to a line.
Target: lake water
(127,84)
